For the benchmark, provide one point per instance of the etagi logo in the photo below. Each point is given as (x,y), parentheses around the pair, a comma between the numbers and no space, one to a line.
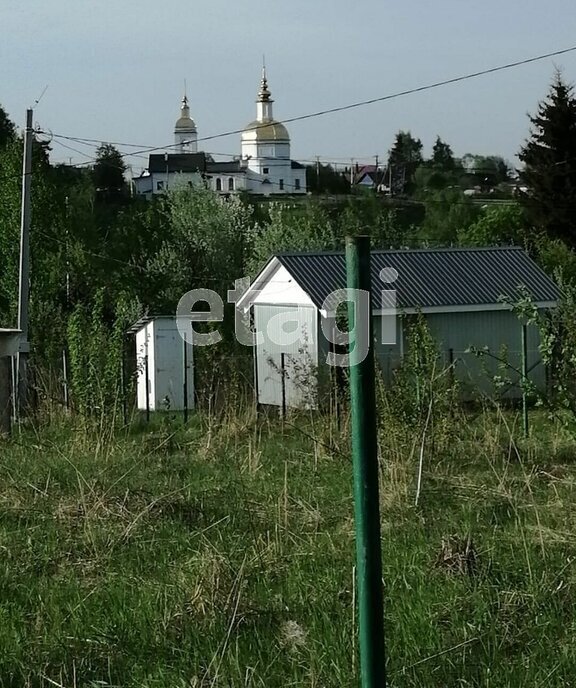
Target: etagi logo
(291,326)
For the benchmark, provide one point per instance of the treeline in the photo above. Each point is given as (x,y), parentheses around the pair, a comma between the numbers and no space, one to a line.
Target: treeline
(93,245)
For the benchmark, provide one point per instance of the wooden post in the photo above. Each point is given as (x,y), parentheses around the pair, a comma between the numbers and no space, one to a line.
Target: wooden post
(525,423)
(5,395)
(256,393)
(185,378)
(283,378)
(65,379)
(146,373)
(123,390)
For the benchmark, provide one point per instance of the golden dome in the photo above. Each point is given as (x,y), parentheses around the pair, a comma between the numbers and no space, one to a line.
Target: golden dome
(185,122)
(267,130)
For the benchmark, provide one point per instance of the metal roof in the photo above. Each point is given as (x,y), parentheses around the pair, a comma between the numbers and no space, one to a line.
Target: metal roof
(177,162)
(430,278)
(226,166)
(145,319)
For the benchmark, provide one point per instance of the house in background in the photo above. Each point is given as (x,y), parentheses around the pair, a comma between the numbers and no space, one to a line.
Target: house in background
(368,177)
(168,170)
(458,291)
(263,168)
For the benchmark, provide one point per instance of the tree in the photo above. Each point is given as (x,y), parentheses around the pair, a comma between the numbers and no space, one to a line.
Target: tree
(486,171)
(442,156)
(7,128)
(498,225)
(430,178)
(448,213)
(203,246)
(290,228)
(10,200)
(109,170)
(549,158)
(403,159)
(325,179)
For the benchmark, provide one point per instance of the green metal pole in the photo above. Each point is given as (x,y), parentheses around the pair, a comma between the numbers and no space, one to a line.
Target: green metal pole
(365,466)
(525,423)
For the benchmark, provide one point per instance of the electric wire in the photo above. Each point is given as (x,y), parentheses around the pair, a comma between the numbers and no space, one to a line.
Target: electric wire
(364,103)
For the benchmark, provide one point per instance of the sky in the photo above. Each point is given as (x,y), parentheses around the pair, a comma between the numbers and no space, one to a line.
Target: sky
(115,71)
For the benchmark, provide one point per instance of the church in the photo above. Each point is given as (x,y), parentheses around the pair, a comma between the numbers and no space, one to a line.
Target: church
(264,167)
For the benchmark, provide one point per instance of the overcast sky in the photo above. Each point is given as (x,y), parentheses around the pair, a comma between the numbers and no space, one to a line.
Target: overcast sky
(115,70)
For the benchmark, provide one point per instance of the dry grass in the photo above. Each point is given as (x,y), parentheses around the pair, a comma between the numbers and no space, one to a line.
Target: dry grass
(221,554)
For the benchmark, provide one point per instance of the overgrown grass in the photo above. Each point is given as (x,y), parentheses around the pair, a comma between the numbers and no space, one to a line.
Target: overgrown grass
(222,553)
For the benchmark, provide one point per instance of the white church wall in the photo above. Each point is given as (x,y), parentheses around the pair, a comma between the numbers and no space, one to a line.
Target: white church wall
(299,181)
(221,183)
(186,142)
(265,164)
(282,150)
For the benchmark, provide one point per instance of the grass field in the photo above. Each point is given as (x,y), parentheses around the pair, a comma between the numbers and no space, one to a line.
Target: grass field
(221,554)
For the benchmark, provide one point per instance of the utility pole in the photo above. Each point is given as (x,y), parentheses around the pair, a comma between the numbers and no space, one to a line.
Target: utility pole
(376,173)
(365,468)
(65,386)
(24,272)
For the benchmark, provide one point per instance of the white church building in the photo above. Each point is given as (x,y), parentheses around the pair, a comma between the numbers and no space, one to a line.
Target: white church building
(264,166)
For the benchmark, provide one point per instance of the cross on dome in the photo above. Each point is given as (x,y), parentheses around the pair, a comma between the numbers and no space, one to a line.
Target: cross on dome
(264,92)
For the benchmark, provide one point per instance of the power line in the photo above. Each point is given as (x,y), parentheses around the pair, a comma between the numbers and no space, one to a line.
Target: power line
(362,103)
(325,159)
(97,142)
(282,163)
(94,143)
(71,148)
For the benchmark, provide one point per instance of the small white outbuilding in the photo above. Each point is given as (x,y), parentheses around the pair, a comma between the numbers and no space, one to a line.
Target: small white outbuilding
(164,364)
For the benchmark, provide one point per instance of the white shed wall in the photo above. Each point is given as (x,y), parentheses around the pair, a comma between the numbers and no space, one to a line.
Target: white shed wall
(282,289)
(161,341)
(289,333)
(144,349)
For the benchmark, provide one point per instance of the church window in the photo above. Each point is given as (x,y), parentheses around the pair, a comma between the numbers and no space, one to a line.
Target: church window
(281,182)
(297,184)
(266,170)
(218,184)
(230,183)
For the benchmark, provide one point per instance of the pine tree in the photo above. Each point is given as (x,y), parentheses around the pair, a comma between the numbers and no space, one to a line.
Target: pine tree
(404,158)
(442,156)
(549,158)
